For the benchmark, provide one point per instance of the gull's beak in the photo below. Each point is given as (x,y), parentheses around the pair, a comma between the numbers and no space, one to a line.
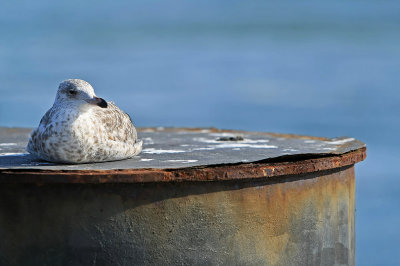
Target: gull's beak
(98,101)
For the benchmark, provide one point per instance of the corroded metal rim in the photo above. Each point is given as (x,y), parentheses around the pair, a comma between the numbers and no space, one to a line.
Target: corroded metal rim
(291,165)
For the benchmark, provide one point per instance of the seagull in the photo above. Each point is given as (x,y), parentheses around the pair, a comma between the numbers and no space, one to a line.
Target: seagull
(82,128)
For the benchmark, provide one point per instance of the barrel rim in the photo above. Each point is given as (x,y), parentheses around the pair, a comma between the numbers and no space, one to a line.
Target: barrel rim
(274,167)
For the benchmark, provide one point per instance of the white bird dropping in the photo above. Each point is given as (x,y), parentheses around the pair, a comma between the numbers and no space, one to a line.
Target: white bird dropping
(82,128)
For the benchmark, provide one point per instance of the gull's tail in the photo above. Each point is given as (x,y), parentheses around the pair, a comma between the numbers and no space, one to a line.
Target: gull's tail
(137,147)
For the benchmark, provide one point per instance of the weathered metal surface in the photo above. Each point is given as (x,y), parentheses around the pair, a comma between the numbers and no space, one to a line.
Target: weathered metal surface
(292,220)
(182,154)
(253,206)
(210,173)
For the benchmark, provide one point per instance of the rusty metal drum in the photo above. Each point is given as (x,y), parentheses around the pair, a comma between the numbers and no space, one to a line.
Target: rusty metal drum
(192,197)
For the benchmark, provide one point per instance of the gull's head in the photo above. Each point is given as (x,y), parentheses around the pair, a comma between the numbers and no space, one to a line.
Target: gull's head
(78,91)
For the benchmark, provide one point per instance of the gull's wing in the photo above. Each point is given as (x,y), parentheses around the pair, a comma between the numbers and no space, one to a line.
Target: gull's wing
(37,133)
(117,124)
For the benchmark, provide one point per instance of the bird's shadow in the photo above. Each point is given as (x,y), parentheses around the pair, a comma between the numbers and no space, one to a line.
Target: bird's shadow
(26,160)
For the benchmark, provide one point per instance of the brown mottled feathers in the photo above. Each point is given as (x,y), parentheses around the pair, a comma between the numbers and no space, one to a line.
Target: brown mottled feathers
(77,129)
(116,123)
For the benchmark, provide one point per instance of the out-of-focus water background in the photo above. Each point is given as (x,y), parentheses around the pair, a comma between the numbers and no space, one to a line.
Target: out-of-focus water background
(323,68)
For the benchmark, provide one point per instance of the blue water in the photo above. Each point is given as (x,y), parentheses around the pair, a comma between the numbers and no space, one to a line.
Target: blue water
(324,68)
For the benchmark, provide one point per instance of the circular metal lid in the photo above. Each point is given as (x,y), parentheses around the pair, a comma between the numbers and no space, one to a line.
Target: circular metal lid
(186,154)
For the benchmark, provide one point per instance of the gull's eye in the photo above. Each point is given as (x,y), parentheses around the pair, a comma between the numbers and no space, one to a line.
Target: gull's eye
(72,92)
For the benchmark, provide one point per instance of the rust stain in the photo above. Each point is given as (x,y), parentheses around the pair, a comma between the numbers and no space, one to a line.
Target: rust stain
(273,222)
(288,213)
(209,173)
(269,171)
(286,220)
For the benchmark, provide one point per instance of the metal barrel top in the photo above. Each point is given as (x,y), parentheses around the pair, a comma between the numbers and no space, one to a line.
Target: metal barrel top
(179,154)
(192,197)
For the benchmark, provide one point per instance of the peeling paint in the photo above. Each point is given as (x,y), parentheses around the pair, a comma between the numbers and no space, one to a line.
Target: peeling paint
(289,149)
(146,160)
(340,141)
(148,141)
(160,151)
(326,149)
(13,154)
(182,161)
(8,144)
(203,149)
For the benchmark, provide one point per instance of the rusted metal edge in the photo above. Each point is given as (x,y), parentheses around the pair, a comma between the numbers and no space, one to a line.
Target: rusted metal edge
(207,173)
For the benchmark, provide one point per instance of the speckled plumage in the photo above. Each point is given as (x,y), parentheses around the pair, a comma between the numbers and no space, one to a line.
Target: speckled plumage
(81,128)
